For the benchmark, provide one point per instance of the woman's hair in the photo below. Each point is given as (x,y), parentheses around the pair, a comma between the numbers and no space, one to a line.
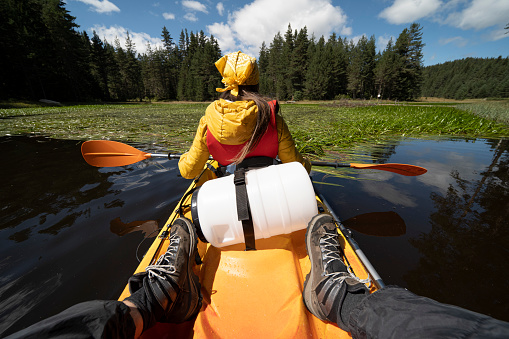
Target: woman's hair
(250,93)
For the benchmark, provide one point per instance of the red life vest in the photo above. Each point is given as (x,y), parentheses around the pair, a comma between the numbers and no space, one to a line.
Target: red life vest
(267,147)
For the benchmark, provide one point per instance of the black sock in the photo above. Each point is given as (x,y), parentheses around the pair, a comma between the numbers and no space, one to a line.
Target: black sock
(347,299)
(352,300)
(147,305)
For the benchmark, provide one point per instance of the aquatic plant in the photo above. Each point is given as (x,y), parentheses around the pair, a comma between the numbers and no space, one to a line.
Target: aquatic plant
(315,127)
(492,110)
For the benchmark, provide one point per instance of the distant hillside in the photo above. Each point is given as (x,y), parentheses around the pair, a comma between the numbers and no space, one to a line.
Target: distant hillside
(467,79)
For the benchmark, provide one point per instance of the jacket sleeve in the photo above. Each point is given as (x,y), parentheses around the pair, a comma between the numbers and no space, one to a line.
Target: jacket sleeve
(287,151)
(192,162)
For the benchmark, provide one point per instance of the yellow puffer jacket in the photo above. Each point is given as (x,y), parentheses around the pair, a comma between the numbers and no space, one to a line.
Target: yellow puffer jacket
(232,123)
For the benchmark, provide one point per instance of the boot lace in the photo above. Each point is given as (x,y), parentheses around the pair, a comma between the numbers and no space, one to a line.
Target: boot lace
(166,263)
(331,251)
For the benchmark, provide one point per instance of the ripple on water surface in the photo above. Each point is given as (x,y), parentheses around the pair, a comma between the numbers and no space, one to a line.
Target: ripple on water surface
(69,231)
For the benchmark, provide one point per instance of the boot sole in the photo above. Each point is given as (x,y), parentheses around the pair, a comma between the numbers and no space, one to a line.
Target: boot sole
(309,296)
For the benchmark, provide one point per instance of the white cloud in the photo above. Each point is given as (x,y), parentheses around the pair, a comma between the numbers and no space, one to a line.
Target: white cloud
(195,6)
(377,186)
(169,16)
(99,6)
(497,34)
(457,41)
(464,14)
(224,36)
(382,41)
(190,17)
(481,14)
(319,16)
(356,38)
(220,8)
(140,39)
(407,11)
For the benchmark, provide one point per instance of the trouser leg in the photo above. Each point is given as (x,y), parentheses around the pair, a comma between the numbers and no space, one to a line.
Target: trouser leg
(395,312)
(91,319)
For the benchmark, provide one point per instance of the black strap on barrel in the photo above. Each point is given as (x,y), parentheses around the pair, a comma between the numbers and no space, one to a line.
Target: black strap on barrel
(243,209)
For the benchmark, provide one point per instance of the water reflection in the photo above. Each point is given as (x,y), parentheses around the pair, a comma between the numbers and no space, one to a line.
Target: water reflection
(61,220)
(47,176)
(55,237)
(457,232)
(147,227)
(379,224)
(468,243)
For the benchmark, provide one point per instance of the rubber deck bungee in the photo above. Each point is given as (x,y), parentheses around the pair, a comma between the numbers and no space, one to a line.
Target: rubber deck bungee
(250,294)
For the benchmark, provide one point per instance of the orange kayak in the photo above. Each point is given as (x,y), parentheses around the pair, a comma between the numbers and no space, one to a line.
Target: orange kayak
(254,294)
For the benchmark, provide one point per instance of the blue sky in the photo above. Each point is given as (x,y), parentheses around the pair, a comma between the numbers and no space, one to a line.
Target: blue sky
(452,29)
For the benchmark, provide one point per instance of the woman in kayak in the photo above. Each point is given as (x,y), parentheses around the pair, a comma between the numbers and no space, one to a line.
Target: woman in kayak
(241,124)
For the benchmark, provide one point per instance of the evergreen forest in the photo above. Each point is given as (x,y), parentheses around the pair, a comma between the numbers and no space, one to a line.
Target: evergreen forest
(45,56)
(467,79)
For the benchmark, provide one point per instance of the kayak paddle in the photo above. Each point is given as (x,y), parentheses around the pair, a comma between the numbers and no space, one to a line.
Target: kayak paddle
(403,169)
(107,153)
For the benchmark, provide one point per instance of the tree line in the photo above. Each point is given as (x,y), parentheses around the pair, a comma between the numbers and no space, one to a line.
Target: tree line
(296,66)
(46,56)
(468,78)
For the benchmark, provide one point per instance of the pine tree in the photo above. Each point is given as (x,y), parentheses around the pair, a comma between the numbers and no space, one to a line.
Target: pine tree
(409,49)
(99,66)
(385,72)
(339,64)
(318,73)
(132,71)
(299,63)
(286,69)
(355,68)
(275,68)
(263,65)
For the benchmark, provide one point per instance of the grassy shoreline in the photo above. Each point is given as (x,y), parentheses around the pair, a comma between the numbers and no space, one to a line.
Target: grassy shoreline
(315,126)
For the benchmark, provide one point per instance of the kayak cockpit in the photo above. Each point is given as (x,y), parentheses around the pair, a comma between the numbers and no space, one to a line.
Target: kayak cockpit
(252,294)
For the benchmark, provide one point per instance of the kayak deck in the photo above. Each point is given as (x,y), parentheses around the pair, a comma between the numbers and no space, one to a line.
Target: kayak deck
(251,294)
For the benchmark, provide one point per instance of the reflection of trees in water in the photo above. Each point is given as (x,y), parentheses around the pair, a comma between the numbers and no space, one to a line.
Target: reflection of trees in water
(382,153)
(465,255)
(46,185)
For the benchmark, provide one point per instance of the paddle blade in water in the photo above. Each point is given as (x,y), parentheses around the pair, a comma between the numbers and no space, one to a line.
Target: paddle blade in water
(106,153)
(380,224)
(403,169)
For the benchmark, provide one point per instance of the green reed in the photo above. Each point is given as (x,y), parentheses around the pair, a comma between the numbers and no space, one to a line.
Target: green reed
(315,127)
(492,110)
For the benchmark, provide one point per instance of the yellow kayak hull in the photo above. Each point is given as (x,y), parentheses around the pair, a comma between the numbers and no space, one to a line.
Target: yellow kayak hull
(253,294)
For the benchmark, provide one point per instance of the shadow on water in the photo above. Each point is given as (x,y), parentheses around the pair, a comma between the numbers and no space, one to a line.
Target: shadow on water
(66,226)
(456,243)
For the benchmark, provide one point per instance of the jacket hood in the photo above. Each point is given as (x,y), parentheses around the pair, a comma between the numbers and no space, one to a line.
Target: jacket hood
(231,123)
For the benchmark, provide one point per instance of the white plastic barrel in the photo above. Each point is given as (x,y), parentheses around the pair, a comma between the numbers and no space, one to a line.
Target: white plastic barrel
(281,198)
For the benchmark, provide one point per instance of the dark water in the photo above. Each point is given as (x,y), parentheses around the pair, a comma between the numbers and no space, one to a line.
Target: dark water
(456,245)
(60,225)
(69,232)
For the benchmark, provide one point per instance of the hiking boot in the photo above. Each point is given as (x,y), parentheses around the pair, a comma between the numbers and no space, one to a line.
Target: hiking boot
(327,284)
(171,290)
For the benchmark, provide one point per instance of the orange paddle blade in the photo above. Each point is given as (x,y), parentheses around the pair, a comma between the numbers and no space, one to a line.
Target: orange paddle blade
(403,169)
(106,153)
